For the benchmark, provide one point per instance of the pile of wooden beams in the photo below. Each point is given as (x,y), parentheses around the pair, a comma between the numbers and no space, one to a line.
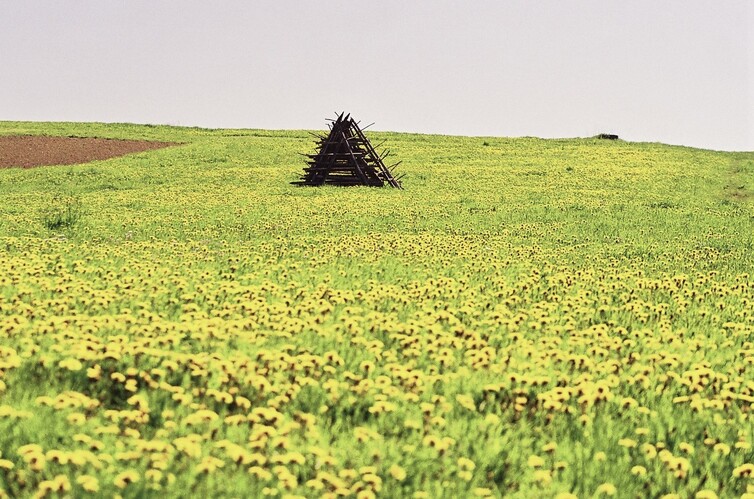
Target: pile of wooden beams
(346,157)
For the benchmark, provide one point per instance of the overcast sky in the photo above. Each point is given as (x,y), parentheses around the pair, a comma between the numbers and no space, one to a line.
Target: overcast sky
(674,71)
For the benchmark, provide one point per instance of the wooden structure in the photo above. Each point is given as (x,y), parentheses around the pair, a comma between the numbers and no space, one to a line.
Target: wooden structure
(346,157)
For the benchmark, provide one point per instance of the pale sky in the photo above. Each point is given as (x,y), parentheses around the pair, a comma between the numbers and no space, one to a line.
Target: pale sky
(673,71)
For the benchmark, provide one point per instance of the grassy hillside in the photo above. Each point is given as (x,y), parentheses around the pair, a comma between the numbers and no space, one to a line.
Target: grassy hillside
(528,318)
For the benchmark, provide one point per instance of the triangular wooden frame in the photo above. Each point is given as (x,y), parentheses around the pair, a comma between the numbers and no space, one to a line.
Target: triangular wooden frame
(346,157)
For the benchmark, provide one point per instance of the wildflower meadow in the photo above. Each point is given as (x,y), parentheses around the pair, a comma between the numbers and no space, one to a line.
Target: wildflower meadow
(527,318)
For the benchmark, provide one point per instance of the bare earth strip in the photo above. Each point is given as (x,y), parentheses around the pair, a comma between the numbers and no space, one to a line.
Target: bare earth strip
(29,151)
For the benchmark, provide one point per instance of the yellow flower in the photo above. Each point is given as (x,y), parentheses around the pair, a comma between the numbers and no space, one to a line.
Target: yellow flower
(560,465)
(374,480)
(535,461)
(45,488)
(60,483)
(296,458)
(543,476)
(722,448)
(397,472)
(315,484)
(209,464)
(71,364)
(491,419)
(686,447)
(639,470)
(30,449)
(627,442)
(126,477)
(607,489)
(649,450)
(705,494)
(153,475)
(88,483)
(744,470)
(260,473)
(465,475)
(466,464)
(6,465)
(35,460)
(549,448)
(57,456)
(76,418)
(94,372)
(466,402)
(600,456)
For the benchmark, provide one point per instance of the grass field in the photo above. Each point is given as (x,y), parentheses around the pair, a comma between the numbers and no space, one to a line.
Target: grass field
(528,318)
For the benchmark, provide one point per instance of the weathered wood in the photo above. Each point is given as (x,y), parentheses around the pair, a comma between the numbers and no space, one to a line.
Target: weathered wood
(346,157)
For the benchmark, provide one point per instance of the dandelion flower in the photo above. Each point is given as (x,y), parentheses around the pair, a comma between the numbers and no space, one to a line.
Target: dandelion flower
(397,472)
(153,475)
(126,477)
(722,448)
(639,470)
(261,473)
(88,483)
(71,364)
(686,447)
(543,476)
(209,465)
(315,484)
(549,448)
(76,418)
(535,461)
(649,450)
(607,489)
(36,461)
(465,475)
(627,442)
(466,464)
(745,470)
(61,483)
(466,402)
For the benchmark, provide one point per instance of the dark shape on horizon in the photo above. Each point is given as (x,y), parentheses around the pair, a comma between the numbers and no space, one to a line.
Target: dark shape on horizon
(346,157)
(607,136)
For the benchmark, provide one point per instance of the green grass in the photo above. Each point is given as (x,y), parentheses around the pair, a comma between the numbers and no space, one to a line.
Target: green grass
(508,272)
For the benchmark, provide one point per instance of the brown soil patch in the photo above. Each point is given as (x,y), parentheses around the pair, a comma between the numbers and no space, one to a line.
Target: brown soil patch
(28,151)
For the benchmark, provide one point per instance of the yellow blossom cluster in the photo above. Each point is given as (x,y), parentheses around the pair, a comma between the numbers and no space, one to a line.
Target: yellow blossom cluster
(572,320)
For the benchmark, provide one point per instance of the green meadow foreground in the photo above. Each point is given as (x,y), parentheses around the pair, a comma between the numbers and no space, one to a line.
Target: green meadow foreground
(528,318)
